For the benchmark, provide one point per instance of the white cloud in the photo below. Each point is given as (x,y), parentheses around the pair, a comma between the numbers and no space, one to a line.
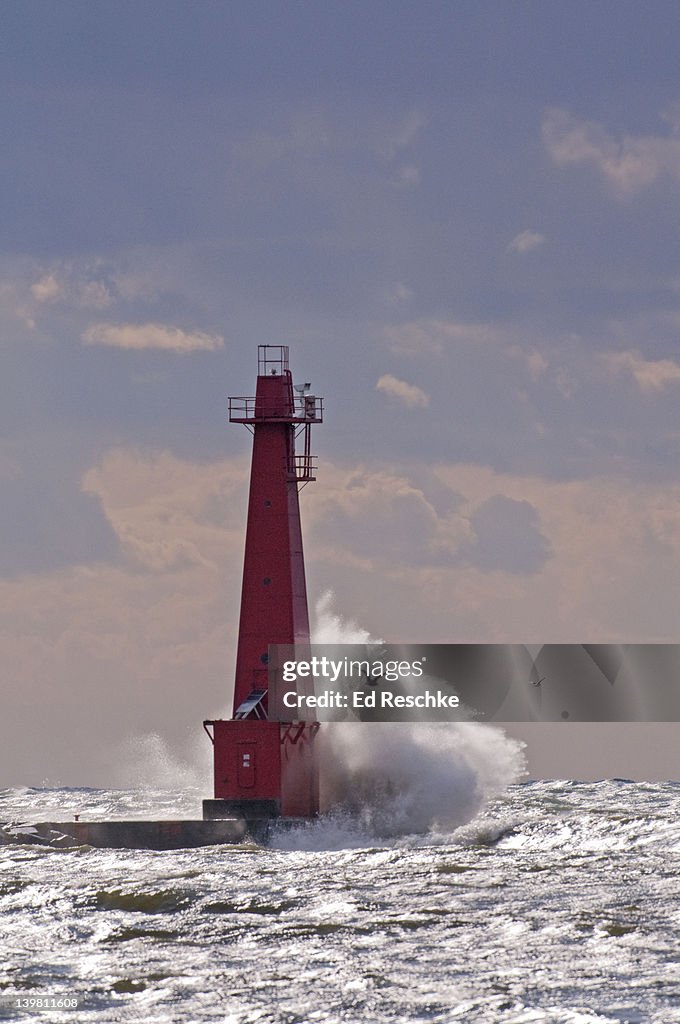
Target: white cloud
(47,289)
(166,512)
(304,134)
(566,383)
(73,285)
(151,336)
(398,294)
(94,295)
(15,304)
(536,362)
(628,163)
(430,336)
(649,374)
(150,277)
(527,240)
(84,285)
(407,131)
(406,177)
(409,394)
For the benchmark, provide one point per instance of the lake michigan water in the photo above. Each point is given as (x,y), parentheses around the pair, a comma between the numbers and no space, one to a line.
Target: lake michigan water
(437,889)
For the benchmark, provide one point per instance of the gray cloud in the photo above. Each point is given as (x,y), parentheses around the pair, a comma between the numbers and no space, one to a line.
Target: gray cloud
(507,537)
(650,374)
(628,163)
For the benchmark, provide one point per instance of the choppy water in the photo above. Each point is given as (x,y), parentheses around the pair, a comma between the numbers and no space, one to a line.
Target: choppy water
(559,902)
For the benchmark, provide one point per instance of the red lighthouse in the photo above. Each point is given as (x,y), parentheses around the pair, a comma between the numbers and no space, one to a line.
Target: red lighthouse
(266,767)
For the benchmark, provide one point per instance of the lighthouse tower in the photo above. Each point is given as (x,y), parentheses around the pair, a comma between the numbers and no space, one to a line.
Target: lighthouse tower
(265,767)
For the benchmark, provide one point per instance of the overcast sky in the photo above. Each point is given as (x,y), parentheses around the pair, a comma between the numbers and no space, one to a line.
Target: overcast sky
(464,220)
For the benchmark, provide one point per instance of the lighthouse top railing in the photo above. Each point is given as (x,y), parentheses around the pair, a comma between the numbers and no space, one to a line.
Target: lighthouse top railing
(272,359)
(305,409)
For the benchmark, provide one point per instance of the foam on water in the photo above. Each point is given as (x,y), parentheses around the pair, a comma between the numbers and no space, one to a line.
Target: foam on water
(477,927)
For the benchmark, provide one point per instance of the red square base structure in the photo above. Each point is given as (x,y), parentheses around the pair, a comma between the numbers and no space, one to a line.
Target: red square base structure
(264,770)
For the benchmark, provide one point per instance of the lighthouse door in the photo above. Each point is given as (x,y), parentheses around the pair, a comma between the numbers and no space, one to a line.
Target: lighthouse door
(245,766)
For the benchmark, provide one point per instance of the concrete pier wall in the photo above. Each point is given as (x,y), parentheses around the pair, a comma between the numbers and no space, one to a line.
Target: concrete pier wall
(134,835)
